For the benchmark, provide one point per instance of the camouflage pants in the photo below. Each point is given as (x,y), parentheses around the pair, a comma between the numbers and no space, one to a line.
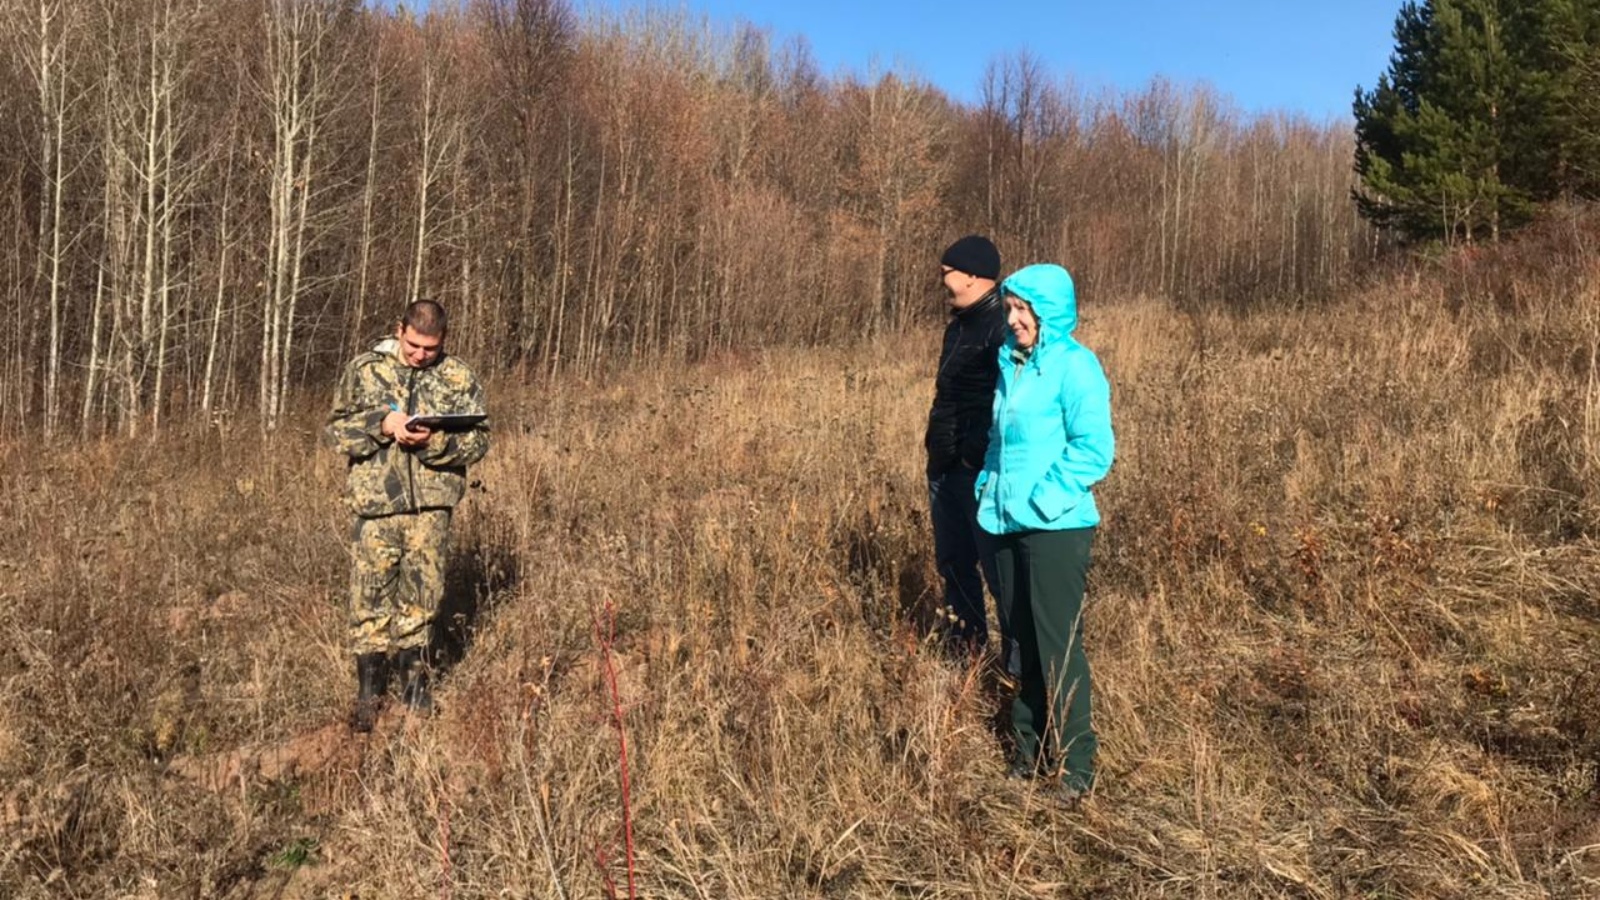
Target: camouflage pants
(396,579)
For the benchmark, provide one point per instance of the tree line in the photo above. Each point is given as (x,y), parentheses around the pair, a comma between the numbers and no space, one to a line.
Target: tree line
(215,202)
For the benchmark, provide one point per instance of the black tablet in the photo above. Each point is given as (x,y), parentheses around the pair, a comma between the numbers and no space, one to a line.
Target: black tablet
(445,421)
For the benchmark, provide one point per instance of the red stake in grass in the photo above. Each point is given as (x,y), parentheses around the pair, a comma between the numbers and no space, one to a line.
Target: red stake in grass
(606,637)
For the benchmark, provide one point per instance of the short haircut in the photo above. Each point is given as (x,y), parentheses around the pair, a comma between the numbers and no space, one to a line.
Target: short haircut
(426,317)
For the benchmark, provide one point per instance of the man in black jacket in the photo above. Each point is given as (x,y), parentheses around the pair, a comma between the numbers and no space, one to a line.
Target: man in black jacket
(958,437)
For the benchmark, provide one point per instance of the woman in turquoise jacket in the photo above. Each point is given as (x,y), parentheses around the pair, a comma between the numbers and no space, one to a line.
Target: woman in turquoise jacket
(1050,442)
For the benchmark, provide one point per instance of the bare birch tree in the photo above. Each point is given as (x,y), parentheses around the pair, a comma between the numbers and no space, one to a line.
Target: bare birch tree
(298,57)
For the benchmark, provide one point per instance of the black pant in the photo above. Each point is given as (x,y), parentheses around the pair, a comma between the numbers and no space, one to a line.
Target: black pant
(962,550)
(1042,576)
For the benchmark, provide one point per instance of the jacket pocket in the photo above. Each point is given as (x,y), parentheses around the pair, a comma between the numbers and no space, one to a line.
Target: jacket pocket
(1050,501)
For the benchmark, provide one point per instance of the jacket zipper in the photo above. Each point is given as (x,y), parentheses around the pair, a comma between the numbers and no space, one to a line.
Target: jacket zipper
(411,457)
(1004,415)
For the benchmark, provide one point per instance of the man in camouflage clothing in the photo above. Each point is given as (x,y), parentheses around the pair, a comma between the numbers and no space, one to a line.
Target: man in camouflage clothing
(402,485)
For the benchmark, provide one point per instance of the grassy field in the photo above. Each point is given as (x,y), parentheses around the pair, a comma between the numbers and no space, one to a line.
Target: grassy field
(1343,621)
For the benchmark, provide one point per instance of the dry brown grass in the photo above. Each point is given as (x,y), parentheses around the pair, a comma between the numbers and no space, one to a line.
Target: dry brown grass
(1343,622)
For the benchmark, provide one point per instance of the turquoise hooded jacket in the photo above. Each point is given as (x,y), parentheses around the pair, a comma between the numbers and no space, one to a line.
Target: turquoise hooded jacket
(1051,439)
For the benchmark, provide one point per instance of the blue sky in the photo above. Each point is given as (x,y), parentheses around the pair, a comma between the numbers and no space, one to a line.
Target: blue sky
(1304,56)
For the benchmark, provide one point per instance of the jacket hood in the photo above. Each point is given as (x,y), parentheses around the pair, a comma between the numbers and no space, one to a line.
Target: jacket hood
(1048,289)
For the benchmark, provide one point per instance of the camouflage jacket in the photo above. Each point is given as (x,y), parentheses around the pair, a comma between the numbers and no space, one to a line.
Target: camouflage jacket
(385,478)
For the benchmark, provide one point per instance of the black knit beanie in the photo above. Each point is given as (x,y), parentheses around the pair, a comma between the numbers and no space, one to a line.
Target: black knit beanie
(975,255)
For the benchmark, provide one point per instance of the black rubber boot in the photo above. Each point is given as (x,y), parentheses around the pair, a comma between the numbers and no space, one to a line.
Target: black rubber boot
(412,667)
(372,683)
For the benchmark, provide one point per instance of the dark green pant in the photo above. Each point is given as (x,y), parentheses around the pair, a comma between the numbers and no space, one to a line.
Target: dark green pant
(1042,577)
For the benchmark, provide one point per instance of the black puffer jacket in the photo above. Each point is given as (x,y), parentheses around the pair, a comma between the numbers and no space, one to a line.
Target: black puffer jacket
(963,399)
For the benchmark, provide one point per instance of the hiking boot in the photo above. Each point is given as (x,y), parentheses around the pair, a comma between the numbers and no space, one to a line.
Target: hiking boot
(1022,768)
(372,683)
(1069,793)
(1067,796)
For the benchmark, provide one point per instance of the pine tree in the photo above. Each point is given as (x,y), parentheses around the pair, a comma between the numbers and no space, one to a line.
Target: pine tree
(1432,136)
(1488,108)
(1543,115)
(1570,96)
